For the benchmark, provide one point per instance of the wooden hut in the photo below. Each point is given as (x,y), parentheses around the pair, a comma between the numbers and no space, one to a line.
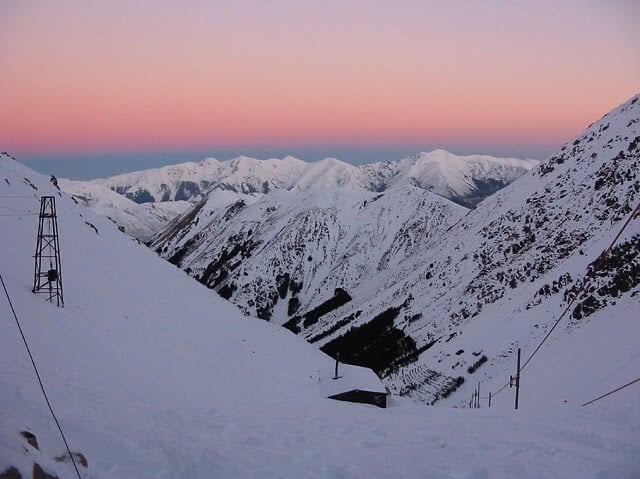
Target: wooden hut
(354,384)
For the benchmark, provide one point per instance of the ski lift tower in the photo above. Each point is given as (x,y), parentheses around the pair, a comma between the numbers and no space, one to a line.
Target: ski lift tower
(47,276)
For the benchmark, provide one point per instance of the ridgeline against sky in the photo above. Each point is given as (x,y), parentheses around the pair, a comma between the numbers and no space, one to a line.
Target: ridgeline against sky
(98,78)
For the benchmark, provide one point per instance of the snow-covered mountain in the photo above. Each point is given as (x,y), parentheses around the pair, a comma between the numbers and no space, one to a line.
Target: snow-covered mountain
(464,179)
(432,296)
(304,246)
(141,221)
(153,377)
(155,196)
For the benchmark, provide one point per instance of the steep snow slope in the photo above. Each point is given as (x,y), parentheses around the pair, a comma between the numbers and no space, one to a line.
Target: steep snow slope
(134,329)
(464,179)
(422,299)
(139,221)
(153,377)
(289,251)
(501,276)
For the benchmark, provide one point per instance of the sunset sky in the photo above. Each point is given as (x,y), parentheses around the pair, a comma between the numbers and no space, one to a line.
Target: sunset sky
(117,85)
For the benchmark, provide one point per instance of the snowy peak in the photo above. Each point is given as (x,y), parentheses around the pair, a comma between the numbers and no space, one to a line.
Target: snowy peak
(464,179)
(502,274)
(331,173)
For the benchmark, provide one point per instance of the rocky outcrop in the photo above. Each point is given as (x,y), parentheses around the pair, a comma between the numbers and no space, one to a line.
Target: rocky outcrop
(11,473)
(38,471)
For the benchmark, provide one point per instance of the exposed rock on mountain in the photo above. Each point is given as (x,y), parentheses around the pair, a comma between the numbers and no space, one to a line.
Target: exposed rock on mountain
(418,288)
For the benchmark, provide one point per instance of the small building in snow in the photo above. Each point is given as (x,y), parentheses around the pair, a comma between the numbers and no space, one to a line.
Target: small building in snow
(353,384)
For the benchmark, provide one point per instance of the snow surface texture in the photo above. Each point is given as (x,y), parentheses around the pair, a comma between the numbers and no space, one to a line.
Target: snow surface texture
(423,291)
(464,179)
(152,376)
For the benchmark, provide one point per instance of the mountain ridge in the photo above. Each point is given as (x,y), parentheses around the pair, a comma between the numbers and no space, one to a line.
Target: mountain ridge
(519,252)
(335,239)
(142,221)
(154,377)
(475,176)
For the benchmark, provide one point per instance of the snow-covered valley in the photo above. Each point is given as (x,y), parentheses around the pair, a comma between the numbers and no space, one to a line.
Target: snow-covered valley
(154,376)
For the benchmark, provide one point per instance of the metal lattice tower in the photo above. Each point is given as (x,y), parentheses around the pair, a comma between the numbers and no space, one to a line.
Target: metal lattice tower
(47,276)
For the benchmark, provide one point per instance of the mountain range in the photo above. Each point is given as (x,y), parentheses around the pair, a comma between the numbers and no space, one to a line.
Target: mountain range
(393,280)
(153,375)
(142,203)
(463,179)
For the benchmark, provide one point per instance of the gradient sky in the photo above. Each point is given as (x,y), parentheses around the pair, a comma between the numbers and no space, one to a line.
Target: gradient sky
(91,88)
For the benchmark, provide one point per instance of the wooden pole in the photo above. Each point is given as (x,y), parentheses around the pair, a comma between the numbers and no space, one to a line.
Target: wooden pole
(489,399)
(518,380)
(478,394)
(337,362)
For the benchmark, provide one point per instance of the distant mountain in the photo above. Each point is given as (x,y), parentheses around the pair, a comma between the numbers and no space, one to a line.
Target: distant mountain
(141,221)
(149,199)
(467,180)
(422,290)
(463,179)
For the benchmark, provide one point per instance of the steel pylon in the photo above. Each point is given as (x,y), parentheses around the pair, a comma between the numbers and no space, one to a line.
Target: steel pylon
(47,276)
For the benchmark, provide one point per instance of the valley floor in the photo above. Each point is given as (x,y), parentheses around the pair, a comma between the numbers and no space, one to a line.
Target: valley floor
(327,440)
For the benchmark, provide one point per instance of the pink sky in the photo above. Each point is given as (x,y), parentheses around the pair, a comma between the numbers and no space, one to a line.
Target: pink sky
(147,75)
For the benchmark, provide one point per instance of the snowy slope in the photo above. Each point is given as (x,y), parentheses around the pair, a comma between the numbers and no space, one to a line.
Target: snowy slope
(139,221)
(154,377)
(500,277)
(439,288)
(290,251)
(125,338)
(464,179)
